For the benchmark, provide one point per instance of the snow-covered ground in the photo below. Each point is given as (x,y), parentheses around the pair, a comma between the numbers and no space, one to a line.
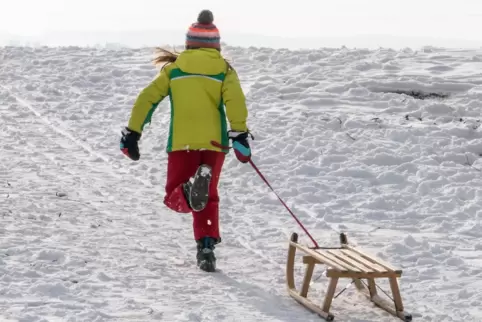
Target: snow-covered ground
(84,235)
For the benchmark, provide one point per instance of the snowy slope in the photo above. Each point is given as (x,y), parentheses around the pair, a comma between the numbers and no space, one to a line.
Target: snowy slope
(85,237)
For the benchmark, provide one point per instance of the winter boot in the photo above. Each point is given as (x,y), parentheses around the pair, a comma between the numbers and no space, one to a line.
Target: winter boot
(199,188)
(205,254)
(186,189)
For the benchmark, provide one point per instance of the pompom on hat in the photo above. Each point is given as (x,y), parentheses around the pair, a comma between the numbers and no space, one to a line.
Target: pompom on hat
(203,33)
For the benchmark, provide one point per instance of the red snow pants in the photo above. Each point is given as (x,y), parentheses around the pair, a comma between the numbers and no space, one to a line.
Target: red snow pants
(182,165)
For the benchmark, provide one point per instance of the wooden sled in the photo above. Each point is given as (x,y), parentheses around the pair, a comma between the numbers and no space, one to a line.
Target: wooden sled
(344,262)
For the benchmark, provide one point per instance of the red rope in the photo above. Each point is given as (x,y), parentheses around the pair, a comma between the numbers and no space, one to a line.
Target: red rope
(216,144)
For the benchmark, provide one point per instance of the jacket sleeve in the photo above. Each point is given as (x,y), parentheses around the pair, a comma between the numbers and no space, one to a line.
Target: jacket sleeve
(147,101)
(235,102)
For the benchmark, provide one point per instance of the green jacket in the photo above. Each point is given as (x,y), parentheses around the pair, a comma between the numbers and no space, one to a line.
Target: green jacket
(199,86)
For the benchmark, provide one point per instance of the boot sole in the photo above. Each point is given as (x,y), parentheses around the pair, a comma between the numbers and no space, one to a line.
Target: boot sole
(200,188)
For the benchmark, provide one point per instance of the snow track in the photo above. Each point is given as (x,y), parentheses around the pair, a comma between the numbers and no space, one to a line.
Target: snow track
(93,243)
(85,237)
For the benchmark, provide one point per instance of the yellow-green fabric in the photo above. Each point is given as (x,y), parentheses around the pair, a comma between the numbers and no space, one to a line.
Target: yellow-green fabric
(204,97)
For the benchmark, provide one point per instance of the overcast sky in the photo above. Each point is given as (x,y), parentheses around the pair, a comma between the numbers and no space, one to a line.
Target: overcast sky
(447,19)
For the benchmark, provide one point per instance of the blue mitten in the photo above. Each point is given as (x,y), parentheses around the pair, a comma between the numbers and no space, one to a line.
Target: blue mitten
(241,145)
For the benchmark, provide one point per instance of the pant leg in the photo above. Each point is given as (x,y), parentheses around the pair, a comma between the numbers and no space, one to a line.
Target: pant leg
(206,222)
(181,165)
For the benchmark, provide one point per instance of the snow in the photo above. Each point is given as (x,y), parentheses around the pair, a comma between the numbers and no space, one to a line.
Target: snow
(205,171)
(85,237)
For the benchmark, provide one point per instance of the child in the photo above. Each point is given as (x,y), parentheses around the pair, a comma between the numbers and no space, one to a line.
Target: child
(199,83)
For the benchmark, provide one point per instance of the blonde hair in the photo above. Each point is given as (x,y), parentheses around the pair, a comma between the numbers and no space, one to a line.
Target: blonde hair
(164,57)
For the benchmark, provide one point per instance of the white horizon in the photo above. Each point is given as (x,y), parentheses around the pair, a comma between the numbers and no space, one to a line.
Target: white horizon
(152,38)
(309,24)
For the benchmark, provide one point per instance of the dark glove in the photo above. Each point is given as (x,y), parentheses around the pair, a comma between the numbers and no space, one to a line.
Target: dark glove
(128,143)
(241,145)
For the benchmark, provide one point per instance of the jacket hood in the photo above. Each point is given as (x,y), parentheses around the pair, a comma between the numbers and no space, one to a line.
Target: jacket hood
(204,61)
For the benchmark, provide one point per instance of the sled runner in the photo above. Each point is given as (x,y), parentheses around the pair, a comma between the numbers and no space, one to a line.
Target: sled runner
(344,262)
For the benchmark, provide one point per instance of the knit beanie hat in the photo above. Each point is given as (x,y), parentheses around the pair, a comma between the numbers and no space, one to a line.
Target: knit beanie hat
(203,33)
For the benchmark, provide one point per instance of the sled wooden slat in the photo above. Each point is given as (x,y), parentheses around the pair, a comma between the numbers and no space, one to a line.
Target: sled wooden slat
(346,266)
(362,268)
(317,256)
(377,261)
(362,264)
(359,259)
(353,275)
(343,262)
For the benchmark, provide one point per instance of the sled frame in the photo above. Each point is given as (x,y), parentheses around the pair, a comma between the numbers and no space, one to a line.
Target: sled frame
(344,262)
